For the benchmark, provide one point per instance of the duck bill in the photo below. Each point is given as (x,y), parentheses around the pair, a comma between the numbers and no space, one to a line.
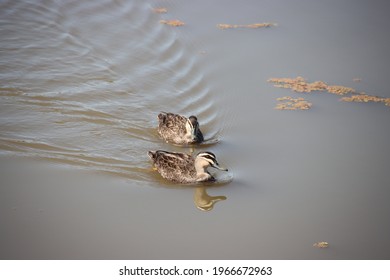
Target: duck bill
(217,166)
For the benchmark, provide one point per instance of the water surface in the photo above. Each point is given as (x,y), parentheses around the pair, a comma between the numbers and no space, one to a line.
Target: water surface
(82,84)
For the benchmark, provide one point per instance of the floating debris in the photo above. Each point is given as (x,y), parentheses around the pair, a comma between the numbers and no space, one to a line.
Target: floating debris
(253,25)
(362,97)
(160,10)
(172,22)
(289,103)
(321,244)
(299,84)
(340,90)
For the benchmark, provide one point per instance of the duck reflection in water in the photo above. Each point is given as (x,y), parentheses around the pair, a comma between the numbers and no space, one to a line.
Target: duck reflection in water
(203,201)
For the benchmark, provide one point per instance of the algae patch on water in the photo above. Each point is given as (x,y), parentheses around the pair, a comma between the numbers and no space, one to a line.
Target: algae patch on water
(300,85)
(252,25)
(362,97)
(172,22)
(289,103)
(322,244)
(160,10)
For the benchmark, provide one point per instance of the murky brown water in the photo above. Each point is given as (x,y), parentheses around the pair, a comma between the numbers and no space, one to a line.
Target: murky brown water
(82,84)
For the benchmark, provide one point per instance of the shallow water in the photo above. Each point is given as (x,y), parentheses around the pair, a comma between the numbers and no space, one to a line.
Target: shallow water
(81,87)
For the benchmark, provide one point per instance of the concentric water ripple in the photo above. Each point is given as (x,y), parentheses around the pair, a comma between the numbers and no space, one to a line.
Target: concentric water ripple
(83,82)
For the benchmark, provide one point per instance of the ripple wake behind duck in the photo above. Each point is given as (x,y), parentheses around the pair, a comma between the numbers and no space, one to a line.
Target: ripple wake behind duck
(89,79)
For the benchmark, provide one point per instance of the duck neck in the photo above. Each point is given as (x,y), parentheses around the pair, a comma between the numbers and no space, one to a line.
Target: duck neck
(201,171)
(190,133)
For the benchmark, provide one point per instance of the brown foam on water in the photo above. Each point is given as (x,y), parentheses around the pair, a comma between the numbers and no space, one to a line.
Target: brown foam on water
(300,85)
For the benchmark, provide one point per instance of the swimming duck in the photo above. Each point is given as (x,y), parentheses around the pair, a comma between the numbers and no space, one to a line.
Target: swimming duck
(183,168)
(178,129)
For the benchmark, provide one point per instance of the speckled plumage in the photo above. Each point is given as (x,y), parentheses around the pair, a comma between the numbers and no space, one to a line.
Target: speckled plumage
(183,168)
(178,129)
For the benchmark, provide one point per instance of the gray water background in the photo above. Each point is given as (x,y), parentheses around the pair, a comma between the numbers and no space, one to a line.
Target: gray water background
(82,83)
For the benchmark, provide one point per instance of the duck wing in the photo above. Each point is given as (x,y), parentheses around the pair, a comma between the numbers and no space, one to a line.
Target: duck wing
(172,121)
(177,167)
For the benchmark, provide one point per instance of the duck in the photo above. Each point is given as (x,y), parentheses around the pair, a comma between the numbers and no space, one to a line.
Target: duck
(178,129)
(184,168)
